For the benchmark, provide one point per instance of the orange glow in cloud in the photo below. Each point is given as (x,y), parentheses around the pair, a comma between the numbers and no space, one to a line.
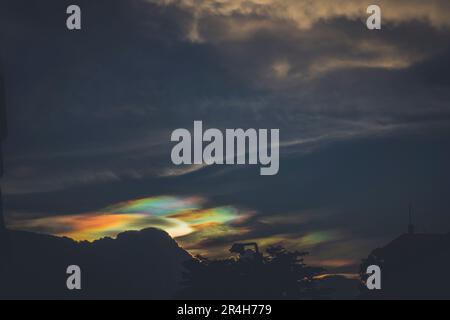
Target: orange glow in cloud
(196,227)
(177,216)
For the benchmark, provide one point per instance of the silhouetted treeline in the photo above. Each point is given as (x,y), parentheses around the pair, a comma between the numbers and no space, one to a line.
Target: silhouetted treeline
(279,274)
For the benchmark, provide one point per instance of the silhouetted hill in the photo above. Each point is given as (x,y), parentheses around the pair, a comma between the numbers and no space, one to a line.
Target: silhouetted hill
(143,264)
(414,266)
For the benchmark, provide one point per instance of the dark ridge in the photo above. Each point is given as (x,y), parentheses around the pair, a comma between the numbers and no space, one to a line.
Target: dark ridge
(143,264)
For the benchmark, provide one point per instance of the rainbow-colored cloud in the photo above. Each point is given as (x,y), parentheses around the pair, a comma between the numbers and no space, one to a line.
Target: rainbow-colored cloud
(178,216)
(197,227)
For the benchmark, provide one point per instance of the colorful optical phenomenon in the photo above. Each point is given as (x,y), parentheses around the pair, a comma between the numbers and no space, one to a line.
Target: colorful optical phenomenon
(178,216)
(198,228)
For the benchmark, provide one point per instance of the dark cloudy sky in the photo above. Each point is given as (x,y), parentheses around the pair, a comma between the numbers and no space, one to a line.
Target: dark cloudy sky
(364,116)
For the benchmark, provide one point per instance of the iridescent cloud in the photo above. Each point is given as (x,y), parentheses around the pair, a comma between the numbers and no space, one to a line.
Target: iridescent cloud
(198,228)
(178,216)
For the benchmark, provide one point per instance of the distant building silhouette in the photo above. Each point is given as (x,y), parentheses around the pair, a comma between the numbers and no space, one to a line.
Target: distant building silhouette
(414,266)
(247,254)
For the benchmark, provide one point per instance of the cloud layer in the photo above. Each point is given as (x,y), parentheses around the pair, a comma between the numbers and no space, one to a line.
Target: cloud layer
(363,115)
(306,13)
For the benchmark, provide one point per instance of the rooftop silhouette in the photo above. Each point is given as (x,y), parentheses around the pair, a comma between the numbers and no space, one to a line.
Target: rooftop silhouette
(414,266)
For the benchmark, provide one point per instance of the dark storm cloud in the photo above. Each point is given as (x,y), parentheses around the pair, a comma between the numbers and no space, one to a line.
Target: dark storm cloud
(364,116)
(87,90)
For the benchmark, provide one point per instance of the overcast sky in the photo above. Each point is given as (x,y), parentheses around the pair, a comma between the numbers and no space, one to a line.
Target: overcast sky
(364,116)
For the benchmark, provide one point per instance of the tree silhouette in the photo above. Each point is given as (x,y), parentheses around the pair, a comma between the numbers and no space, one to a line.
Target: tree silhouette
(279,274)
(365,263)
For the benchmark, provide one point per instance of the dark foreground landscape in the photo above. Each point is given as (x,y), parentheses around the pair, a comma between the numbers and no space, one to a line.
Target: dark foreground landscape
(150,265)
